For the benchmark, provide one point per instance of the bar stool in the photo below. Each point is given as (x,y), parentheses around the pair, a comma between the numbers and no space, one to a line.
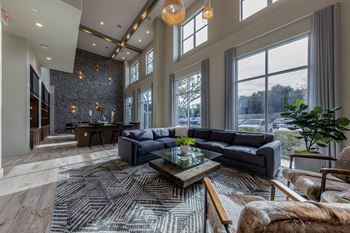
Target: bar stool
(115,133)
(96,131)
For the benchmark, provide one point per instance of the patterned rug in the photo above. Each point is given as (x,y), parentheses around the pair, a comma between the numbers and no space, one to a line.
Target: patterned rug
(114,197)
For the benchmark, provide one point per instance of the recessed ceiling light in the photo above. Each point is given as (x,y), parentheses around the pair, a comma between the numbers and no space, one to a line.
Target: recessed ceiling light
(135,26)
(35,10)
(39,25)
(102,23)
(127,53)
(94,44)
(128,36)
(48,58)
(44,46)
(123,58)
(140,40)
(148,32)
(119,26)
(144,14)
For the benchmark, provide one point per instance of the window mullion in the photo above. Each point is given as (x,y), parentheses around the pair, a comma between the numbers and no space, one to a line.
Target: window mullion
(266,89)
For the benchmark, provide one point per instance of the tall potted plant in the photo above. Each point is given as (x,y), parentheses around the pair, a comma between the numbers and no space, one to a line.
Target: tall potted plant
(316,127)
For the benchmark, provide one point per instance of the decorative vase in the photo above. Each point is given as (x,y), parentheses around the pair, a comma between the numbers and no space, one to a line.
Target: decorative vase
(184,149)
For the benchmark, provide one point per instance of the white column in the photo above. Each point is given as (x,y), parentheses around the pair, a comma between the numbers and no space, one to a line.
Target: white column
(158,72)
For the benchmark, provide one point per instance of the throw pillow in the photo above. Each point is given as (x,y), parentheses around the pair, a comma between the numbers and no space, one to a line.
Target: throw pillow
(181,132)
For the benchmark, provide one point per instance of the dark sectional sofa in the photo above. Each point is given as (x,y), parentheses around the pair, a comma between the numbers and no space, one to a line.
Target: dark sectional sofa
(253,152)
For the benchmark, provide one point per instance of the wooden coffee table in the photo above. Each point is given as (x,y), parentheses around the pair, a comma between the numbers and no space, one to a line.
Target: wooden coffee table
(185,170)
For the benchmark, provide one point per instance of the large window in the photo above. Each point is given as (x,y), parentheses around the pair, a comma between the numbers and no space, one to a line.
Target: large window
(149,62)
(134,72)
(146,109)
(268,80)
(250,7)
(129,105)
(193,33)
(188,101)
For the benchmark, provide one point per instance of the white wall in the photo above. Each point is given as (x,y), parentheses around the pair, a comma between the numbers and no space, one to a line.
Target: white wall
(284,19)
(18,57)
(15,93)
(1,154)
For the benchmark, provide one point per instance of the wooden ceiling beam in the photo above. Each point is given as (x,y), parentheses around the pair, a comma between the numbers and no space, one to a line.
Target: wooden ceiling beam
(93,32)
(146,10)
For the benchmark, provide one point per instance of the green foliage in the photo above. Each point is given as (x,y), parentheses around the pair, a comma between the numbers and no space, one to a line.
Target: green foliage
(185,141)
(317,127)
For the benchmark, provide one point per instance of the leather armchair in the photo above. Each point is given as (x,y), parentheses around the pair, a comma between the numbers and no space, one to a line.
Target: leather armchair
(313,184)
(251,214)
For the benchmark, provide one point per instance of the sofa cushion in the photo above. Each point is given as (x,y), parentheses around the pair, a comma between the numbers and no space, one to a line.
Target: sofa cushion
(168,142)
(249,139)
(199,141)
(141,135)
(244,154)
(215,146)
(161,133)
(221,136)
(191,132)
(149,146)
(202,133)
(172,132)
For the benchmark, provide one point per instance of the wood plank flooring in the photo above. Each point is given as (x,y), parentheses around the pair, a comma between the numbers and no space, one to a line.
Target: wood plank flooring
(27,190)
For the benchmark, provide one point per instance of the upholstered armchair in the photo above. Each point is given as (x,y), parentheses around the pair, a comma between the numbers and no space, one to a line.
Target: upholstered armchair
(251,214)
(313,184)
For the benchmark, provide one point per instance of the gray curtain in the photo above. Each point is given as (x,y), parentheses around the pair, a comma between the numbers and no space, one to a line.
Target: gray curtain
(230,89)
(205,109)
(171,98)
(324,82)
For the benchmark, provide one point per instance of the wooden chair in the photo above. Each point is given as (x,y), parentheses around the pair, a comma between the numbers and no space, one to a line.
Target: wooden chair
(250,214)
(313,184)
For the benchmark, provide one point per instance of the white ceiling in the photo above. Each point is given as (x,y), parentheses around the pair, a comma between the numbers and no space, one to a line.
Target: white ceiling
(60,29)
(112,13)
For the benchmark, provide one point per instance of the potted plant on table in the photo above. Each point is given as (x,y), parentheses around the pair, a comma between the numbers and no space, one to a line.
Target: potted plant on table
(185,143)
(316,127)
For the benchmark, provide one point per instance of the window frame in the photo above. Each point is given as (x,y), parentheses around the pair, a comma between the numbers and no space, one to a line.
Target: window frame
(195,31)
(141,109)
(267,74)
(132,72)
(187,93)
(149,62)
(269,3)
(127,106)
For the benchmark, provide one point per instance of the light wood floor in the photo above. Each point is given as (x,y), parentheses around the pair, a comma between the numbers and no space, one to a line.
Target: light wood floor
(28,188)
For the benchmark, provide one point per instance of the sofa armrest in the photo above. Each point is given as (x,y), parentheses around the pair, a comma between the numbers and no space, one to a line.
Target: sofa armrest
(127,149)
(272,153)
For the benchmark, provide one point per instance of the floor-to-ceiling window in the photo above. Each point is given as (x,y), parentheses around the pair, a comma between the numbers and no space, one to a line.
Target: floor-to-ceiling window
(129,104)
(266,81)
(146,109)
(188,101)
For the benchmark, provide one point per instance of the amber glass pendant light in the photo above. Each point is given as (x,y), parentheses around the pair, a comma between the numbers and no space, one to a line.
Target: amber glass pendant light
(208,12)
(173,12)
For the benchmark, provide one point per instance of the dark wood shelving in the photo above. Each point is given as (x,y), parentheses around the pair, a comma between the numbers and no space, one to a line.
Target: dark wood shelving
(45,106)
(34,109)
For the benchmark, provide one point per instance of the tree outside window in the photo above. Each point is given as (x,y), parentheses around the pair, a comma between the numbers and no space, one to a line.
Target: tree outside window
(188,101)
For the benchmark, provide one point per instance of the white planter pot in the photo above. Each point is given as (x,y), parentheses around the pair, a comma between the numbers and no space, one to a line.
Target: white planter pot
(184,149)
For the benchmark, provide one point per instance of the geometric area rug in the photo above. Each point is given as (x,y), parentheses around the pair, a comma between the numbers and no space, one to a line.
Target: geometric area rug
(115,197)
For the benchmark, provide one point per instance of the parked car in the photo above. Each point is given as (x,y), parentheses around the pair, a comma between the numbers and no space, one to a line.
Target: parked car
(255,125)
(195,121)
(279,123)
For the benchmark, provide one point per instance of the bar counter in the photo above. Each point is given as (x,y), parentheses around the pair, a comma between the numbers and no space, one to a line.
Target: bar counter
(82,132)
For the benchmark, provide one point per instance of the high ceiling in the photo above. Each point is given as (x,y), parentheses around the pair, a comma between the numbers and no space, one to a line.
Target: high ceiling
(59,31)
(117,16)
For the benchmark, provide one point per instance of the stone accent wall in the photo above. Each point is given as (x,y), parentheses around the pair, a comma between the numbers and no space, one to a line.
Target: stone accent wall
(94,86)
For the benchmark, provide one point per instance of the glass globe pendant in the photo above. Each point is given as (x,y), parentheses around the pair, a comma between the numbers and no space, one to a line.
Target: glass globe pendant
(174,12)
(208,12)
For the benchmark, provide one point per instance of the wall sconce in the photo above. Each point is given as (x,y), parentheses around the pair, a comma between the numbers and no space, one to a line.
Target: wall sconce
(97,68)
(109,80)
(73,108)
(80,75)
